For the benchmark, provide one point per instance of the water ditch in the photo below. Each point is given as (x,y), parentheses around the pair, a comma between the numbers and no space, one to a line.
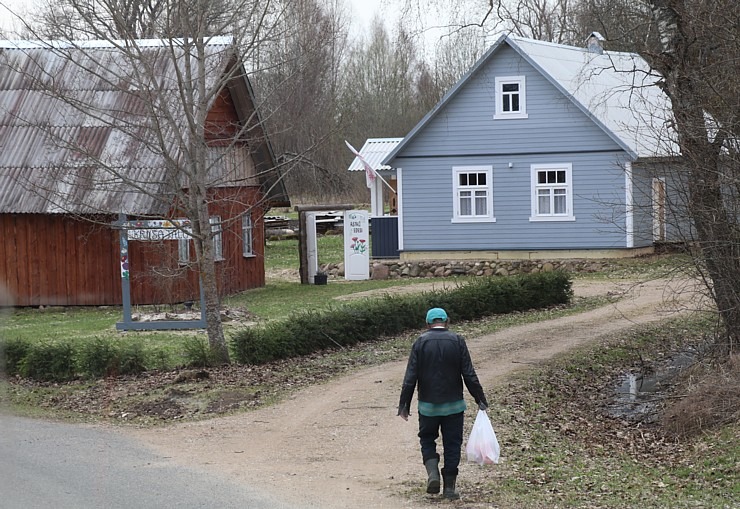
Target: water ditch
(638,395)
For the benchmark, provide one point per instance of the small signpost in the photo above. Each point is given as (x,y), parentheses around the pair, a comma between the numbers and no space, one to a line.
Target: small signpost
(356,245)
(152,230)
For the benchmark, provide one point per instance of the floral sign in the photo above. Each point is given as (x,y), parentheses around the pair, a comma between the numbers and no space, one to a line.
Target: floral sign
(356,245)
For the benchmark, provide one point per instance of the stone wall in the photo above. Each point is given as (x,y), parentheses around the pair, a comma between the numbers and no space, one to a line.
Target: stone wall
(394,269)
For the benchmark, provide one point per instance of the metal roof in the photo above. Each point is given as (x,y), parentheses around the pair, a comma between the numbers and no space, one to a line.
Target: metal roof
(616,90)
(374,151)
(86,128)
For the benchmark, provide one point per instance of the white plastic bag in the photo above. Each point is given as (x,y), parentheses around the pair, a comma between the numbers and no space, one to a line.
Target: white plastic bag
(482,445)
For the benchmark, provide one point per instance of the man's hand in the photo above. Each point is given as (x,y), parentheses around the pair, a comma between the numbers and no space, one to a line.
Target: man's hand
(403,414)
(482,406)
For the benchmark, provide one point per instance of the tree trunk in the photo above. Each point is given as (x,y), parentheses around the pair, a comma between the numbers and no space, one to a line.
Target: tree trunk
(686,47)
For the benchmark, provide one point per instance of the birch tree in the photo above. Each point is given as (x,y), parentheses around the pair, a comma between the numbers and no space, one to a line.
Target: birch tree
(698,59)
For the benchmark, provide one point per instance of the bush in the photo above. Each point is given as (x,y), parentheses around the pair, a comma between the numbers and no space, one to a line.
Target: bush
(367,320)
(103,358)
(99,358)
(12,353)
(198,353)
(53,362)
(133,359)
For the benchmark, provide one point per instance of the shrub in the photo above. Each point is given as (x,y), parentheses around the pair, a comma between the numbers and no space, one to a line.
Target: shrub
(12,353)
(52,362)
(99,358)
(309,331)
(133,359)
(198,353)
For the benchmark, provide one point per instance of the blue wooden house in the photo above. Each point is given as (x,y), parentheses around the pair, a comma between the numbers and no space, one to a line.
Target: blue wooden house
(540,151)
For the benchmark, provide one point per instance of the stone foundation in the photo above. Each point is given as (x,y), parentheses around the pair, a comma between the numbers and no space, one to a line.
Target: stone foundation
(394,269)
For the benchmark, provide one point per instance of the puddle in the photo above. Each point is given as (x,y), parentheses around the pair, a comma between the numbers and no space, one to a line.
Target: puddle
(638,395)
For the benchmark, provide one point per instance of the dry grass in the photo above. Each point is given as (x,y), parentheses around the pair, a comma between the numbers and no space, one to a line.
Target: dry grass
(712,398)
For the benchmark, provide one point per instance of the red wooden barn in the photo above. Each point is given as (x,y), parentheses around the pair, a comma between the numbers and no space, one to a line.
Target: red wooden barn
(84,138)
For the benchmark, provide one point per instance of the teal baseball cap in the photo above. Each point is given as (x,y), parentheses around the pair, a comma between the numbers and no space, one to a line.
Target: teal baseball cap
(436,314)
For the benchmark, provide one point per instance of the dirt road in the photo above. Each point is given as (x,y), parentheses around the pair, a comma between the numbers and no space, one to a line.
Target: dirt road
(340,445)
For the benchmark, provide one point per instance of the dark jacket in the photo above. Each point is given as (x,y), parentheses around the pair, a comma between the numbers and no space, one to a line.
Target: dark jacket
(439,363)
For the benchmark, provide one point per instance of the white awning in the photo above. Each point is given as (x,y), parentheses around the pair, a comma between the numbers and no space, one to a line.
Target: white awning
(374,151)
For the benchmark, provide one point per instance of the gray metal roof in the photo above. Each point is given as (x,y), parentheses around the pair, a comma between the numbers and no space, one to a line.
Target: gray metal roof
(374,151)
(85,129)
(616,90)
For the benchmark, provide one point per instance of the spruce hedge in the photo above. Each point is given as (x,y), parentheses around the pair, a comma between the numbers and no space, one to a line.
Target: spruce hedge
(342,325)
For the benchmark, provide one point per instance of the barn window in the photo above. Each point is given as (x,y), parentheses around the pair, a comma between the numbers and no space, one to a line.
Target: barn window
(183,251)
(247,235)
(552,193)
(473,194)
(218,241)
(511,98)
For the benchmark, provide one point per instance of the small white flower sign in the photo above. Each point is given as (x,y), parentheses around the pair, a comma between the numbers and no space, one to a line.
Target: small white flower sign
(356,245)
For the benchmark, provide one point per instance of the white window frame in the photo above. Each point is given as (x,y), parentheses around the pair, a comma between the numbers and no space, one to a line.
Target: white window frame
(500,82)
(457,190)
(567,186)
(218,241)
(247,235)
(183,251)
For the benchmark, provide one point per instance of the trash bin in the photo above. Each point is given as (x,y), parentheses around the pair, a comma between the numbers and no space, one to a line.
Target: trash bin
(320,278)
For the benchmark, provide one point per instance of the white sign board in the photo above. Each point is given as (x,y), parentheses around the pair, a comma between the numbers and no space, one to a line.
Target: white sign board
(356,245)
(158,229)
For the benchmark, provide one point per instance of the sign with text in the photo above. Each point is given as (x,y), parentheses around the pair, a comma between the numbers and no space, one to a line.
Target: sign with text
(356,245)
(158,229)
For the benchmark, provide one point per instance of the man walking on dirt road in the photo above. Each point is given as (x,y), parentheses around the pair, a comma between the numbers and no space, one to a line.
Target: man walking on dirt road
(439,363)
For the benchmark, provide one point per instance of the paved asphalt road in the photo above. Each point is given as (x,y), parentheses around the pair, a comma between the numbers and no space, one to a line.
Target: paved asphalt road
(48,465)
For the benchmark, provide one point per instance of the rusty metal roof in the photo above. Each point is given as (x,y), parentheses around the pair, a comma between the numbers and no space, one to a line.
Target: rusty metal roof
(87,128)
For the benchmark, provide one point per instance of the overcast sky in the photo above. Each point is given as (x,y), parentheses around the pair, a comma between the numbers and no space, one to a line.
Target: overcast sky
(362,11)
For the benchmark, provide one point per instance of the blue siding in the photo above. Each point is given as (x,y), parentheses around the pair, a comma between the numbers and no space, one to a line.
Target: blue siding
(598,190)
(556,131)
(466,126)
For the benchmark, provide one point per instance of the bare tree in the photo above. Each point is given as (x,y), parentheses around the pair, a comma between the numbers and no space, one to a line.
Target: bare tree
(698,59)
(299,85)
(170,87)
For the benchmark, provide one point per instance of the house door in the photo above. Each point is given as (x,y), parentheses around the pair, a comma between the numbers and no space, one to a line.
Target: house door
(659,226)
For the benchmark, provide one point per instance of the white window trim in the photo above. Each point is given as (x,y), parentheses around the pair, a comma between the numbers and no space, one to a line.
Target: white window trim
(568,167)
(456,217)
(247,235)
(218,241)
(183,251)
(500,114)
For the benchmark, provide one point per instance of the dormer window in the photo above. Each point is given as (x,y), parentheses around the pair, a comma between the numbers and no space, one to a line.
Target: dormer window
(511,100)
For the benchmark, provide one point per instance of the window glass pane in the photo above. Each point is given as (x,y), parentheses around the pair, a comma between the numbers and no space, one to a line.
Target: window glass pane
(511,87)
(543,201)
(541,177)
(561,177)
(465,207)
(463,179)
(551,177)
(473,179)
(506,103)
(515,102)
(183,250)
(247,242)
(543,204)
(560,204)
(481,179)
(217,239)
(480,203)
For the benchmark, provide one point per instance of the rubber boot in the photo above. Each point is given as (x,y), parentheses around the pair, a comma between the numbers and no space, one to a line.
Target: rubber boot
(432,466)
(449,490)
